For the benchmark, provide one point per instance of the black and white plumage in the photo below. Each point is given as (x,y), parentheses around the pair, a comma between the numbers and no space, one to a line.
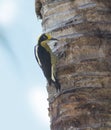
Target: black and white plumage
(46,59)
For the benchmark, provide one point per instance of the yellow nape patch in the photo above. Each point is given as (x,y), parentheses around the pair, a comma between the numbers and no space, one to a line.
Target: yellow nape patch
(49,36)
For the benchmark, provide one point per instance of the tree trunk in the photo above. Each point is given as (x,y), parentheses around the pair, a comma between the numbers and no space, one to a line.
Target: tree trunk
(84,62)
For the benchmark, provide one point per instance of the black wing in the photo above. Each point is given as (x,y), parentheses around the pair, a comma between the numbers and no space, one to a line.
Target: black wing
(44,60)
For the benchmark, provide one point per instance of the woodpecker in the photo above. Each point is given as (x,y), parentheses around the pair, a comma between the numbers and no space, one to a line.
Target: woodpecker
(46,59)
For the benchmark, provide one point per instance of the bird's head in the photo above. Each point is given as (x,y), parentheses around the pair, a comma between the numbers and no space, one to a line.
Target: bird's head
(45,37)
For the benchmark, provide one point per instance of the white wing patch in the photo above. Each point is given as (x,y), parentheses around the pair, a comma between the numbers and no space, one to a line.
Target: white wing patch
(52,75)
(38,56)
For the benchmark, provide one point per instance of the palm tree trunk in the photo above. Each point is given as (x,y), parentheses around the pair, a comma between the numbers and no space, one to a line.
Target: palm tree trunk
(84,62)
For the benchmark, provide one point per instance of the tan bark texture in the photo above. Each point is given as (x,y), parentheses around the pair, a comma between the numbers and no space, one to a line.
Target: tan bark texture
(83,28)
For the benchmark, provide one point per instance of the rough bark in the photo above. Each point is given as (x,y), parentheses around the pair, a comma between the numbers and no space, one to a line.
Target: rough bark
(84,62)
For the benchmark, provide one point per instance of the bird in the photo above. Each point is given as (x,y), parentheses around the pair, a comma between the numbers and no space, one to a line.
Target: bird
(47,60)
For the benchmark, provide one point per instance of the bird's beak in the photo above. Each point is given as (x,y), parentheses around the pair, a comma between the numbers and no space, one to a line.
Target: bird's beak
(54,39)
